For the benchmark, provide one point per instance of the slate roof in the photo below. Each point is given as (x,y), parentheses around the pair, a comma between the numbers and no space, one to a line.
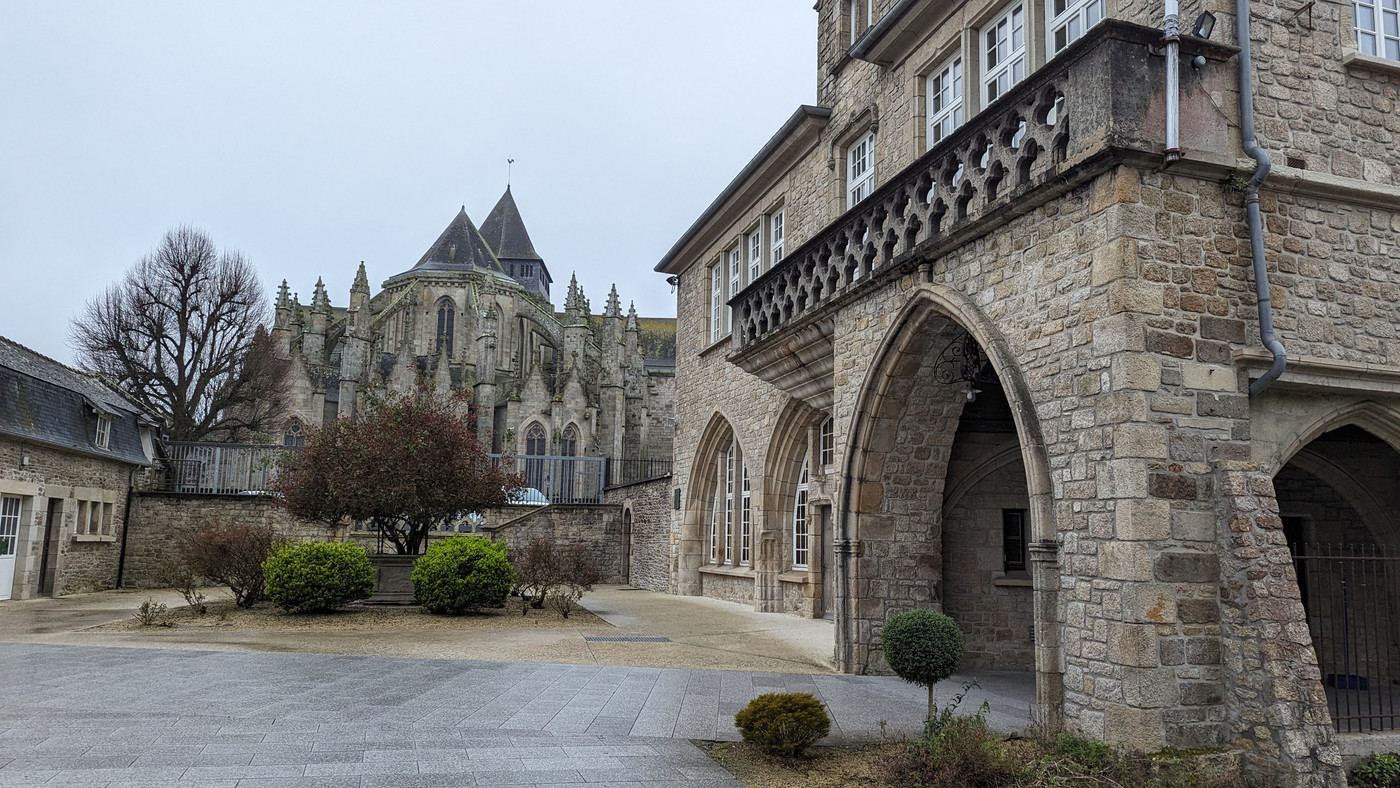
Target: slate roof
(460,248)
(46,402)
(505,232)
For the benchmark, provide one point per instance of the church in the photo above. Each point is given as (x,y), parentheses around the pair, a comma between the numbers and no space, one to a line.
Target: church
(474,314)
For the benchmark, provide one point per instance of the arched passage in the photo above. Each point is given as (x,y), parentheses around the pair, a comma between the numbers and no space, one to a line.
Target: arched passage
(715,441)
(923,430)
(1338,498)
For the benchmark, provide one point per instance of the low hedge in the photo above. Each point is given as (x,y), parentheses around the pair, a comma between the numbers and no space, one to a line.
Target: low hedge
(305,577)
(461,574)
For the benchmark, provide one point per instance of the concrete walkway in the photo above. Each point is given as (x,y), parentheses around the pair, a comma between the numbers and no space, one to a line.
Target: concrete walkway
(80,708)
(126,716)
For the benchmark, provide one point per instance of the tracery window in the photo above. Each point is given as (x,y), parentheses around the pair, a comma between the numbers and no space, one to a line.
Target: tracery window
(568,446)
(446,320)
(294,436)
(536,441)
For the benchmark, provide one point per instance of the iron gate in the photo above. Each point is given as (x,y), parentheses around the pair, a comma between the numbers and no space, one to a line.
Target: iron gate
(1350,594)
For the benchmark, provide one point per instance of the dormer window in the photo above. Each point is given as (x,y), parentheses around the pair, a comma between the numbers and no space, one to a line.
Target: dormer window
(104,431)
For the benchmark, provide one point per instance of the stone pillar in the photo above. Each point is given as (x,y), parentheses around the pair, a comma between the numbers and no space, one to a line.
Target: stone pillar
(1049,679)
(1276,704)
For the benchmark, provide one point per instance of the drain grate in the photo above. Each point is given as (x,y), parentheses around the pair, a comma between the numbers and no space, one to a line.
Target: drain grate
(628,639)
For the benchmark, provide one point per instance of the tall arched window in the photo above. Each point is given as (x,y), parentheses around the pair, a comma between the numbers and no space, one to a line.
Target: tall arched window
(800,535)
(745,517)
(536,442)
(569,445)
(446,323)
(294,437)
(731,510)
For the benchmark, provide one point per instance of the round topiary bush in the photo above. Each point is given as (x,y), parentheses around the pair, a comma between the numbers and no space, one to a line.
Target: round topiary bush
(461,574)
(783,723)
(305,577)
(923,647)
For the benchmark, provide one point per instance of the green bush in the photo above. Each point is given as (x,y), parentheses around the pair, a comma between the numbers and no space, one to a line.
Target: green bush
(923,647)
(783,723)
(461,574)
(1381,769)
(309,576)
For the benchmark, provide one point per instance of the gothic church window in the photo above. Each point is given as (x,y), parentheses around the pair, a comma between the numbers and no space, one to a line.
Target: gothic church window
(568,446)
(294,436)
(446,319)
(535,439)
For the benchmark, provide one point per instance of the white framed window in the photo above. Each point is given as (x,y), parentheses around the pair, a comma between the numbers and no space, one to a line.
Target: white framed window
(945,103)
(800,536)
(860,169)
(745,517)
(736,270)
(714,533)
(104,431)
(1069,19)
(1004,45)
(1378,27)
(755,253)
(9,524)
(777,231)
(716,303)
(826,446)
(725,557)
(862,17)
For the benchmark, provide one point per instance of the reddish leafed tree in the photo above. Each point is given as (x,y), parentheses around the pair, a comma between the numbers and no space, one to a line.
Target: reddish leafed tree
(407,464)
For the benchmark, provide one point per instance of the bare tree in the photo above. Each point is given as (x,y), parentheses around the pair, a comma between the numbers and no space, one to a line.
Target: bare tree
(183,332)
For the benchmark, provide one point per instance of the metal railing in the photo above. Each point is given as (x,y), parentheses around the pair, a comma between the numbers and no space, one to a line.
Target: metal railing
(1350,593)
(631,470)
(557,479)
(218,468)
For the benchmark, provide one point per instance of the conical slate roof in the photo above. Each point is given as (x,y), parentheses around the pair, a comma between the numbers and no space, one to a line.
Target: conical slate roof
(460,248)
(505,232)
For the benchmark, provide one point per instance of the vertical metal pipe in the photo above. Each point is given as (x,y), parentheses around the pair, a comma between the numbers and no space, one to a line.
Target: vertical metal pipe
(1171,36)
(1256,228)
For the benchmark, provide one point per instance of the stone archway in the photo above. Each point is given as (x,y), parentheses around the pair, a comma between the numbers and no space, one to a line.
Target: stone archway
(890,523)
(699,503)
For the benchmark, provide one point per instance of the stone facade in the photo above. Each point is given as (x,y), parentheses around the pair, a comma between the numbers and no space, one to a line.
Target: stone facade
(474,315)
(646,526)
(160,520)
(1034,345)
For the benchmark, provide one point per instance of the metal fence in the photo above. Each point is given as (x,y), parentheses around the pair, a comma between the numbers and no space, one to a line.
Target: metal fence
(218,468)
(558,479)
(1351,593)
(622,471)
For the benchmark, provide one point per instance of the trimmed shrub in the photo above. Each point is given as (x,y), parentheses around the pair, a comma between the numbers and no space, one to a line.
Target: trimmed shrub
(923,647)
(783,723)
(231,555)
(311,576)
(461,574)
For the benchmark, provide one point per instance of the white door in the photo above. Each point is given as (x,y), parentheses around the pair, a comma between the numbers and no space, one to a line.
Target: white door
(9,539)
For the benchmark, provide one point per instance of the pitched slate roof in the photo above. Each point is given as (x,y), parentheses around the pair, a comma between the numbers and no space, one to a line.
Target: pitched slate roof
(460,248)
(505,231)
(46,402)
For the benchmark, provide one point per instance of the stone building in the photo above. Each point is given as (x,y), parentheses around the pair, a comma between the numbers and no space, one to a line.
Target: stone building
(70,447)
(971,333)
(474,314)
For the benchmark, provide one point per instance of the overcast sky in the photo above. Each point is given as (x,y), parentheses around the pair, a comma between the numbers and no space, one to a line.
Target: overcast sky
(312,136)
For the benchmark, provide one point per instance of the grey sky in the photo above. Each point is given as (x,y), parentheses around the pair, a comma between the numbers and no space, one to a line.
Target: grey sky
(312,136)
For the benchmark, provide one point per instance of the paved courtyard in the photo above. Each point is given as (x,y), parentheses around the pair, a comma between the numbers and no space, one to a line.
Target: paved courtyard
(129,716)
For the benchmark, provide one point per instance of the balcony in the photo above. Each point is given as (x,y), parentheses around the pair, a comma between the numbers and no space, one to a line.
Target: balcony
(1097,104)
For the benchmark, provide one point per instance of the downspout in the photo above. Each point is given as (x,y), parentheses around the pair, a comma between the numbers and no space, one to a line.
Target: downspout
(126,525)
(1256,228)
(1171,36)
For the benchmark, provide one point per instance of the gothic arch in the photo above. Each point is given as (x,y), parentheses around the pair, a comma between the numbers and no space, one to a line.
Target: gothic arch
(1373,513)
(716,438)
(880,406)
(987,466)
(1382,421)
(534,439)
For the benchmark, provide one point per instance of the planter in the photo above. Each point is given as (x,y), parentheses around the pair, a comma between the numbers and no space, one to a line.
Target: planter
(393,579)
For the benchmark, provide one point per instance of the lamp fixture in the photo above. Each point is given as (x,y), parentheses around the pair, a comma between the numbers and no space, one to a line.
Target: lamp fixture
(962,360)
(1204,25)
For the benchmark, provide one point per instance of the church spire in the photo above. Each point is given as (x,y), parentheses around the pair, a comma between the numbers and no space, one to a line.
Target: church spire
(320,302)
(613,308)
(361,280)
(632,316)
(284,296)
